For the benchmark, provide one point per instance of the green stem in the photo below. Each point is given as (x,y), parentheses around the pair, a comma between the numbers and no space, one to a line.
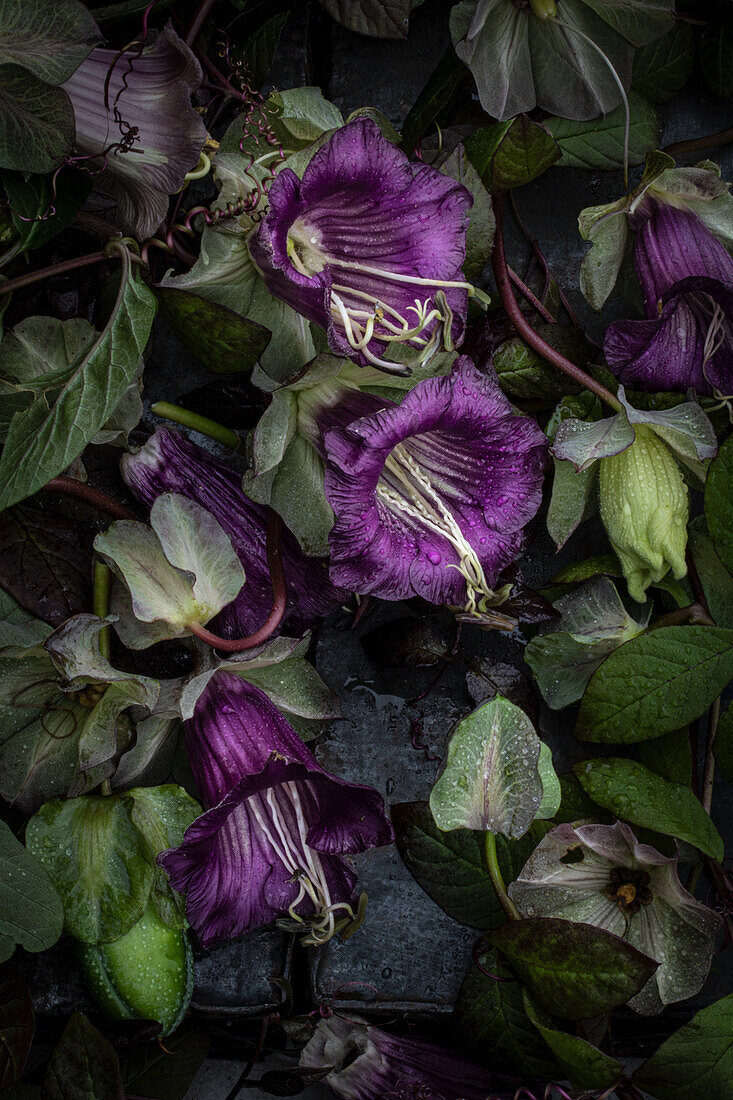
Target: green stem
(708,776)
(497,879)
(100,604)
(202,424)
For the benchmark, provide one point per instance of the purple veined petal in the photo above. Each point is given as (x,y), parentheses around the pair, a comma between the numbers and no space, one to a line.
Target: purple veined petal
(688,344)
(146,134)
(673,245)
(369,246)
(419,489)
(170,463)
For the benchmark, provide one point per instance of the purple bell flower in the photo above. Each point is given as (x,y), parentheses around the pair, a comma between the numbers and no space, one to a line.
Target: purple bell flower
(687,339)
(431,496)
(369,246)
(134,117)
(276,824)
(367,1063)
(170,463)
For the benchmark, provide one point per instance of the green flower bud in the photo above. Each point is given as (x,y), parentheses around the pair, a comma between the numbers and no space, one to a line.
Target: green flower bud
(147,974)
(543,9)
(644,508)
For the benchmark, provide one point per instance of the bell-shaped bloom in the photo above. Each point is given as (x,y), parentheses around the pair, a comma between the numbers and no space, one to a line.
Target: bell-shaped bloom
(170,463)
(369,246)
(135,127)
(367,1063)
(276,824)
(645,508)
(431,496)
(602,875)
(686,341)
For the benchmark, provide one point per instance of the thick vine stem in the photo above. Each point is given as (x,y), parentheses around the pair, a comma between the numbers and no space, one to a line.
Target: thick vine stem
(522,325)
(279,598)
(101,588)
(168,411)
(70,487)
(497,879)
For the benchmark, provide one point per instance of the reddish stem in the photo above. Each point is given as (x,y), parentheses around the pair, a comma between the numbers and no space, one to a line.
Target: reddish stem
(279,596)
(522,325)
(198,21)
(73,488)
(54,269)
(531,298)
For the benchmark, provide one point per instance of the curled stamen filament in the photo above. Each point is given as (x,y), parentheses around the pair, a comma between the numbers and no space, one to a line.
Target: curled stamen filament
(716,333)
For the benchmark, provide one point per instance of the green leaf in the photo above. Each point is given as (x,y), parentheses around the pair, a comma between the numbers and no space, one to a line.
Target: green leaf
(635,794)
(510,154)
(586,1066)
(697,1060)
(223,340)
(719,503)
(490,778)
(83,1066)
(51,38)
(573,970)
(723,745)
(19,627)
(481,225)
(38,212)
(295,688)
(607,228)
(36,122)
(45,562)
(17,1025)
(451,867)
(716,581)
(99,862)
(524,373)
(656,683)
(571,499)
(584,442)
(258,50)
(31,913)
(669,756)
(44,439)
(599,143)
(716,58)
(162,814)
(166,1073)
(492,1023)
(663,66)
(295,489)
(377,18)
(442,86)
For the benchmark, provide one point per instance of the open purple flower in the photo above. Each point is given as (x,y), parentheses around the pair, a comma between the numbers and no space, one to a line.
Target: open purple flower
(602,875)
(276,824)
(367,1063)
(134,118)
(431,496)
(687,339)
(170,463)
(369,246)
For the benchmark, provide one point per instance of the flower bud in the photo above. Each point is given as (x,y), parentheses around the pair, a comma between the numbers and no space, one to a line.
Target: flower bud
(147,974)
(543,9)
(644,508)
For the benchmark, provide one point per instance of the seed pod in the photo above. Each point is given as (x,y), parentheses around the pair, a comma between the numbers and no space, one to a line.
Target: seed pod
(146,974)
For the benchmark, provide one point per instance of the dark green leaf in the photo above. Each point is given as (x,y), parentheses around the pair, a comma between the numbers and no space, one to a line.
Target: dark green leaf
(99,862)
(259,48)
(574,970)
(377,18)
(83,1066)
(524,373)
(46,563)
(696,1061)
(723,745)
(599,143)
(716,58)
(17,626)
(571,500)
(510,154)
(656,683)
(669,756)
(575,803)
(493,1026)
(719,503)
(451,867)
(30,907)
(223,340)
(586,1066)
(444,82)
(36,122)
(407,642)
(165,1073)
(38,213)
(17,1024)
(599,565)
(663,66)
(717,583)
(635,794)
(51,39)
(44,439)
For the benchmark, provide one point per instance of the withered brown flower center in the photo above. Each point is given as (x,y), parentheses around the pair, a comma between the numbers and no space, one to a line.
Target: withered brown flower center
(628,889)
